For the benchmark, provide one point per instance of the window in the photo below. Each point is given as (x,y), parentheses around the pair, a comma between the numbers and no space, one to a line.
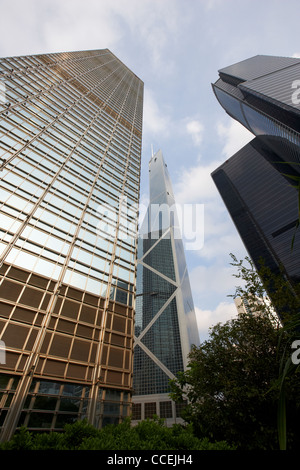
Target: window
(150,410)
(136,411)
(165,409)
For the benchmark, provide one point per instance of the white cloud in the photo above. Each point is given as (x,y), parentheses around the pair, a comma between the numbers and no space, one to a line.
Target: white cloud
(215,278)
(153,23)
(55,26)
(234,135)
(220,240)
(96,27)
(207,318)
(211,4)
(195,129)
(156,122)
(195,184)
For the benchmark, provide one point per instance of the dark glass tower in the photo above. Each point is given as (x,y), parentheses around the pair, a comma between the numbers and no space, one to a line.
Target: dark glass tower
(165,321)
(260,93)
(257,184)
(70,148)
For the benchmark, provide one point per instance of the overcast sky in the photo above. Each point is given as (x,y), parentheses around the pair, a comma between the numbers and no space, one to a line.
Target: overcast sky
(176,47)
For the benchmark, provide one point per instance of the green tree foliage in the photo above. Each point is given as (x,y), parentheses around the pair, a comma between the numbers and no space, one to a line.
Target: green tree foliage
(286,302)
(233,382)
(147,435)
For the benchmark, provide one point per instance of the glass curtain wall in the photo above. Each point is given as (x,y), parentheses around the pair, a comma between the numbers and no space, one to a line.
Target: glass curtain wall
(165,321)
(259,183)
(70,148)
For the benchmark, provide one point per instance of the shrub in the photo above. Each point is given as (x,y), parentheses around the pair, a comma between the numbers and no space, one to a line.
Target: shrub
(146,435)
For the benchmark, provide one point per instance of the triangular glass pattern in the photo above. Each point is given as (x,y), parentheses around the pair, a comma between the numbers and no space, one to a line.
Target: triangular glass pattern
(188,305)
(155,292)
(163,338)
(153,379)
(161,258)
(180,257)
(157,318)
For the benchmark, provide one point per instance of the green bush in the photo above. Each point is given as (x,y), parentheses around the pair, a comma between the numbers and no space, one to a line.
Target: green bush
(147,435)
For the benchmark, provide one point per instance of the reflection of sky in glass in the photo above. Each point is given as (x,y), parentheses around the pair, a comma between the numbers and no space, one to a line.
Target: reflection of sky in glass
(67,169)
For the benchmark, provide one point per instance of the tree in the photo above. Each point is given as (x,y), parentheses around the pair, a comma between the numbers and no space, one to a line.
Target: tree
(286,302)
(232,383)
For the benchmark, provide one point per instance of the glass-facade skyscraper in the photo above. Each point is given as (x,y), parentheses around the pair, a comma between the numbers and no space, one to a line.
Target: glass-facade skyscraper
(257,184)
(165,321)
(70,148)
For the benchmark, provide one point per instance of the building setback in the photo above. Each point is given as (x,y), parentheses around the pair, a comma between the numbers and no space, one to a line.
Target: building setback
(257,184)
(165,321)
(70,148)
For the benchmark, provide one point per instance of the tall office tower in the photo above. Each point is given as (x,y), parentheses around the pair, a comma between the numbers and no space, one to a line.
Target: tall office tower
(244,306)
(256,183)
(165,321)
(70,150)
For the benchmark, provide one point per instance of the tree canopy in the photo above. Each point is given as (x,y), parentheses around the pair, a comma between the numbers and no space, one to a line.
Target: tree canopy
(233,383)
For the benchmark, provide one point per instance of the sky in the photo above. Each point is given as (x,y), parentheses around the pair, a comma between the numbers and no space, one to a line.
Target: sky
(176,47)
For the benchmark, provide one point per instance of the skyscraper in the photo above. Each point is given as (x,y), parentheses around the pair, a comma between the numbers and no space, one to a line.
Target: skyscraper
(70,148)
(165,321)
(257,184)
(261,93)
(248,306)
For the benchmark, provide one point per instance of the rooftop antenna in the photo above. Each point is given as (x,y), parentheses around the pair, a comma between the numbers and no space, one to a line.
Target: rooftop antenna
(152,151)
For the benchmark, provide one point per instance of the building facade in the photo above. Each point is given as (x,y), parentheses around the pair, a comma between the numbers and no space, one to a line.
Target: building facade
(165,321)
(70,149)
(249,306)
(257,184)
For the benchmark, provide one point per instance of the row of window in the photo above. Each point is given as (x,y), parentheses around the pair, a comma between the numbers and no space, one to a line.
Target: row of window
(163,409)
(15,136)
(255,121)
(28,242)
(52,405)
(74,111)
